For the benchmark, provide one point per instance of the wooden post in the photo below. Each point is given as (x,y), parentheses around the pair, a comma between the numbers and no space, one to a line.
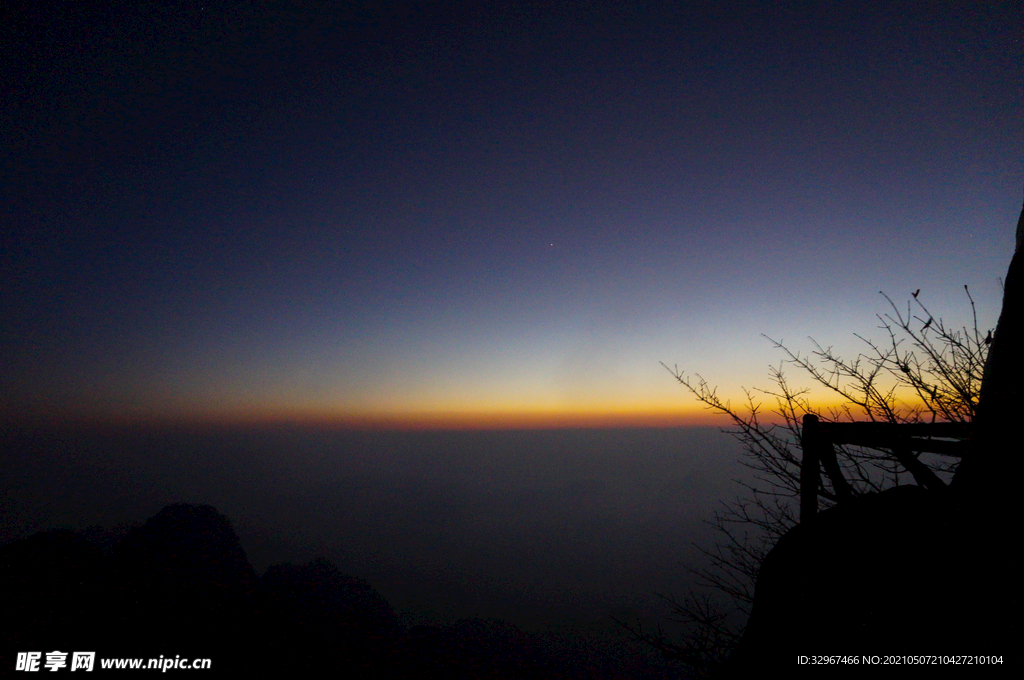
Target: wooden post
(810,473)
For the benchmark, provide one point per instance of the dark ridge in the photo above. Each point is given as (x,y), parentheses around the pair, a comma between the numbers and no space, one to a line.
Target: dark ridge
(316,607)
(181,584)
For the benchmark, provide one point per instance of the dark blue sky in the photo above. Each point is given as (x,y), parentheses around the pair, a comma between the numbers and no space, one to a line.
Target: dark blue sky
(484,210)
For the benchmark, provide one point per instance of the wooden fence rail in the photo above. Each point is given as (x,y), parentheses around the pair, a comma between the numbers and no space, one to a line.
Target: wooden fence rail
(904,440)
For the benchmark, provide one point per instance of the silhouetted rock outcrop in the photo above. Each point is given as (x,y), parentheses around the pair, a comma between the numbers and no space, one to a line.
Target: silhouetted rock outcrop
(183,579)
(869,576)
(905,572)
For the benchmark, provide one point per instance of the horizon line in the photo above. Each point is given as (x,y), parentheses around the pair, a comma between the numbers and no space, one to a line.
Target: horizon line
(418,421)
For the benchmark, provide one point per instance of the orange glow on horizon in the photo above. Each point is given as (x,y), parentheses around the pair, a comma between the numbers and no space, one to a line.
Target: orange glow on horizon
(409,421)
(520,417)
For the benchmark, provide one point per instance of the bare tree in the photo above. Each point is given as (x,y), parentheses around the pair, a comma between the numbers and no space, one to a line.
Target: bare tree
(922,371)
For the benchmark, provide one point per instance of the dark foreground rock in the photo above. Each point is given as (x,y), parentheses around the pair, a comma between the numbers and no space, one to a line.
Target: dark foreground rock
(903,572)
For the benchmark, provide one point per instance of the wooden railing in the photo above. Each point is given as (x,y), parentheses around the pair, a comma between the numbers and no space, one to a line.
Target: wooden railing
(819,440)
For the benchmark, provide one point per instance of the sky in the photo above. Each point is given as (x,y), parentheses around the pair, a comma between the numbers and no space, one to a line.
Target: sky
(477,214)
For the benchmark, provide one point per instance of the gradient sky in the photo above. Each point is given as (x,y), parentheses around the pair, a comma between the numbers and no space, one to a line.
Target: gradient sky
(485,212)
